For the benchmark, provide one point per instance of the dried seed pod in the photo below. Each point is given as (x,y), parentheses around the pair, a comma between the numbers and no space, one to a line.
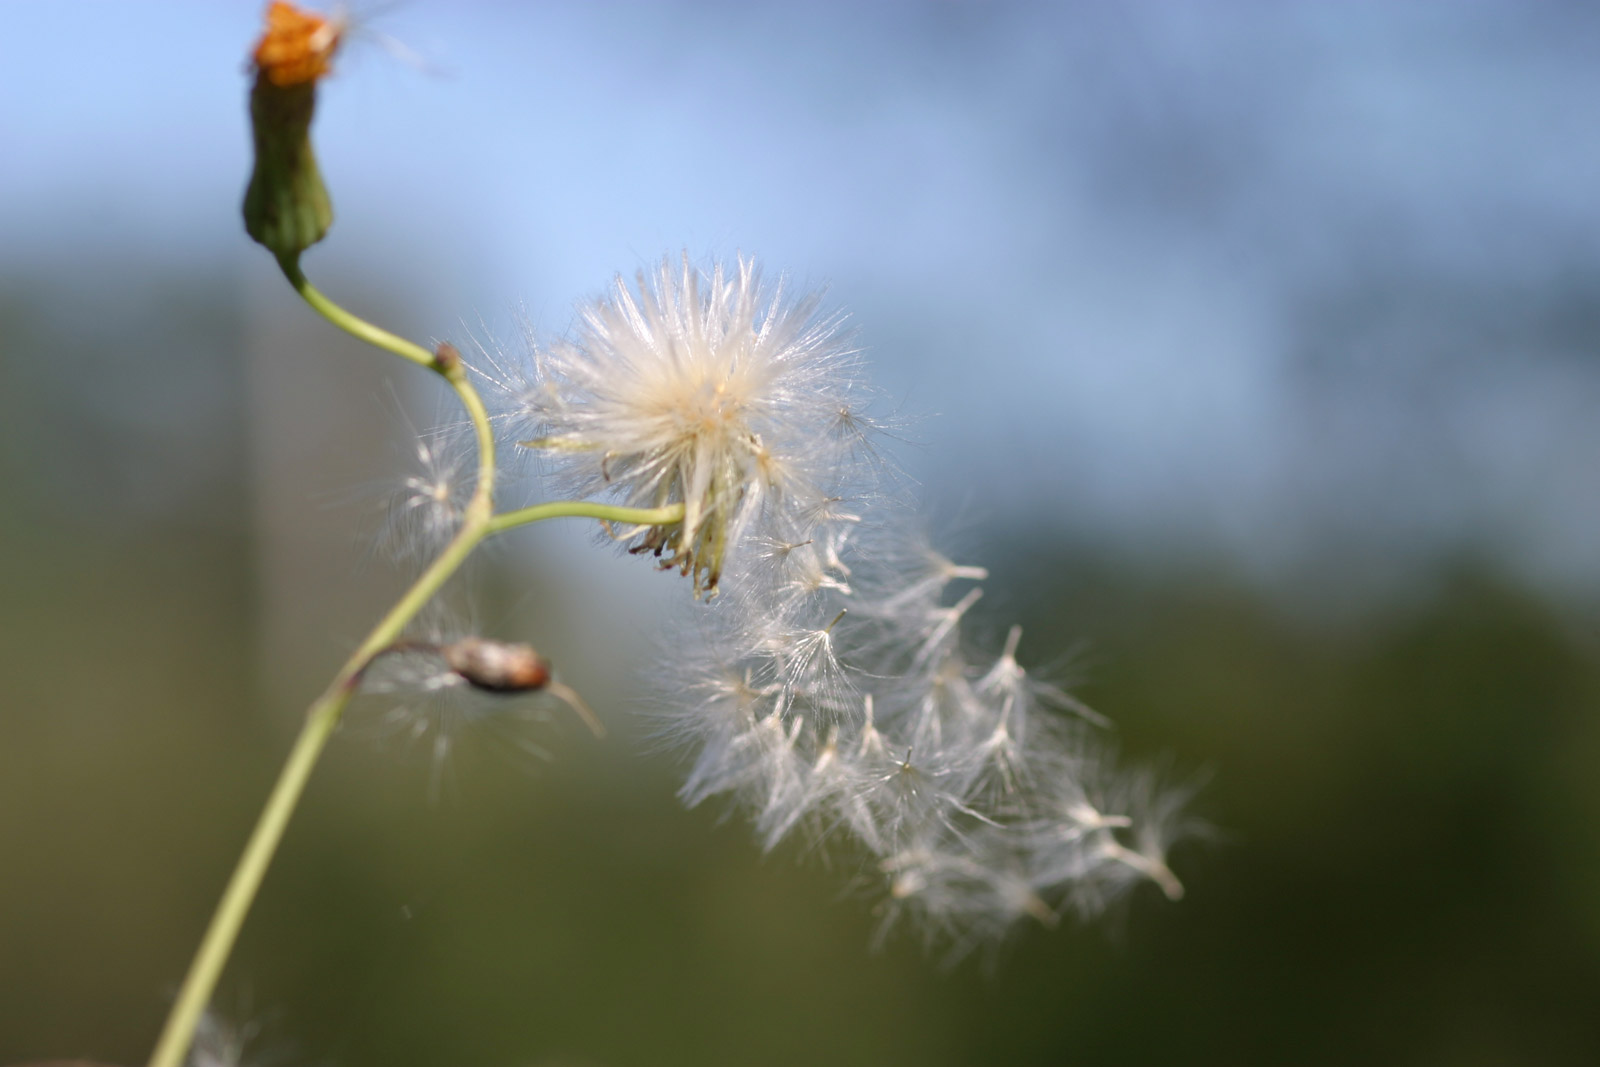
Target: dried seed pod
(497,666)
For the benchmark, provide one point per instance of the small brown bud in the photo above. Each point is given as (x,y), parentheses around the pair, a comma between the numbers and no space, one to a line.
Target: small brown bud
(446,356)
(497,666)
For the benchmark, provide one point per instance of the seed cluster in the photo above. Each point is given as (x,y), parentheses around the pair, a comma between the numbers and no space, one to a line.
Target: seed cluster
(832,689)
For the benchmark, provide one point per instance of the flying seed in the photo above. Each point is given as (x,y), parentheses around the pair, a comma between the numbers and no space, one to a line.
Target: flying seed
(497,666)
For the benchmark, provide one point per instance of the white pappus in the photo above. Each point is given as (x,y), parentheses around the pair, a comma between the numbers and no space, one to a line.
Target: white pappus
(832,687)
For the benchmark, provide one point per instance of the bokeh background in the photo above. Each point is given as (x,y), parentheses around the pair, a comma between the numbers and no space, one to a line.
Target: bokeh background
(1256,348)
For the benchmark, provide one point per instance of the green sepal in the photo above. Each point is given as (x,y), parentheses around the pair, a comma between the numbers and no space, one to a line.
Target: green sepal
(286,207)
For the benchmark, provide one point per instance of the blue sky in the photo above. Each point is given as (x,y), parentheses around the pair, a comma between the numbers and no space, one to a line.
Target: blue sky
(1212,272)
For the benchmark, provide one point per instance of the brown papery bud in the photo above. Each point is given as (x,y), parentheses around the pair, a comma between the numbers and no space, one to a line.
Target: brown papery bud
(497,666)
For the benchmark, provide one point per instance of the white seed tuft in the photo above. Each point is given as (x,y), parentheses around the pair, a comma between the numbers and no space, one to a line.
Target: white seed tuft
(712,391)
(834,690)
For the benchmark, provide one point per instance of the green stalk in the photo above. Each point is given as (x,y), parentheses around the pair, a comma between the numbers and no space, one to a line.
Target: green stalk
(451,369)
(479,523)
(373,335)
(584,509)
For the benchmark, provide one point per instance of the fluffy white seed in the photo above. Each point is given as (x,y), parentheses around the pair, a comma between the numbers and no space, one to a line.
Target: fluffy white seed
(833,690)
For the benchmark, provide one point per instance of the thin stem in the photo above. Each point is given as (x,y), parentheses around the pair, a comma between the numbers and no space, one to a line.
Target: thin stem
(482,502)
(373,335)
(320,722)
(178,1033)
(323,716)
(451,369)
(585,509)
(479,523)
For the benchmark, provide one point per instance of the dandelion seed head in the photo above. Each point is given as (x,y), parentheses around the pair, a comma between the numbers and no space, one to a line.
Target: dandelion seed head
(706,389)
(834,690)
(985,794)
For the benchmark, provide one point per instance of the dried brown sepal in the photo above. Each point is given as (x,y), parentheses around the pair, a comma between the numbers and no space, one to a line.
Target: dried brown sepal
(665,542)
(286,207)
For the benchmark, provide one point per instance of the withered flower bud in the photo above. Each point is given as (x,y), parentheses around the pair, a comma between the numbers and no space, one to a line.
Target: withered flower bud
(497,666)
(446,356)
(286,207)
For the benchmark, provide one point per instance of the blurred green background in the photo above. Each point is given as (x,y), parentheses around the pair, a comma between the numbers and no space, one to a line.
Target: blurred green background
(1407,870)
(1390,676)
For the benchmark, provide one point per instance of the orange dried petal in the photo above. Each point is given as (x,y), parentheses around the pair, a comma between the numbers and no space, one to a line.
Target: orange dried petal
(297,46)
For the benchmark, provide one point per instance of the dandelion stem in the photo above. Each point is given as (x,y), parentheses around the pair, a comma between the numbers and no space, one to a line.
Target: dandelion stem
(320,721)
(178,1033)
(584,509)
(445,362)
(479,523)
(373,335)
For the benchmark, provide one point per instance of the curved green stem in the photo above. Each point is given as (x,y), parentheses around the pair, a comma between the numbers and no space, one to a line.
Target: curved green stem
(483,491)
(478,523)
(323,716)
(373,335)
(178,1033)
(584,509)
(446,363)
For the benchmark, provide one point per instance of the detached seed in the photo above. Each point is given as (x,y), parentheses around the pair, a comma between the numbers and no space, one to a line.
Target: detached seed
(497,666)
